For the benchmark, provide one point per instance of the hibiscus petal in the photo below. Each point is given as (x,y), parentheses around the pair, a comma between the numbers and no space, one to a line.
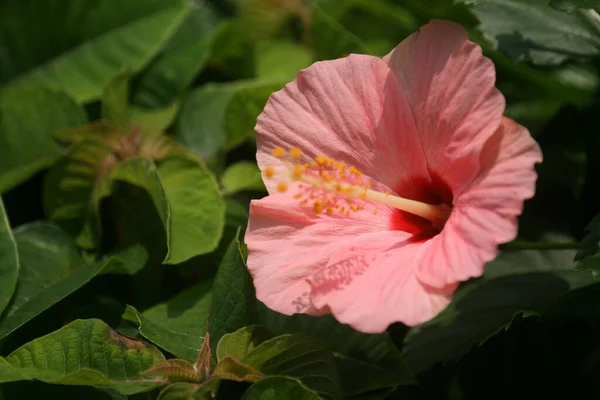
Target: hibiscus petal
(371,283)
(288,242)
(450,88)
(351,109)
(485,214)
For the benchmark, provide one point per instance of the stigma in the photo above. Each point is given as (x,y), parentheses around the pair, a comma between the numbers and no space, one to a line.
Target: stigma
(334,187)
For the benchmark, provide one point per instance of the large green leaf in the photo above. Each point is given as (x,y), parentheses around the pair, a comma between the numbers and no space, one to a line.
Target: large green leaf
(84,352)
(234,298)
(279,387)
(532,30)
(187,199)
(179,324)
(28,121)
(181,60)
(365,362)
(51,268)
(298,356)
(9,260)
(516,282)
(79,47)
(281,59)
(115,100)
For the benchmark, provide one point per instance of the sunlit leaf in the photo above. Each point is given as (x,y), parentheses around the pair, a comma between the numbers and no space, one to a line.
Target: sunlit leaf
(84,352)
(243,175)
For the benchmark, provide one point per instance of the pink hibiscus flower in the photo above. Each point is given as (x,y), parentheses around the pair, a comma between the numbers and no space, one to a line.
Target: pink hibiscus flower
(390,181)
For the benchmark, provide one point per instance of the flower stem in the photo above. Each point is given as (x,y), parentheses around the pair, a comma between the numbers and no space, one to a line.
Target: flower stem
(540,246)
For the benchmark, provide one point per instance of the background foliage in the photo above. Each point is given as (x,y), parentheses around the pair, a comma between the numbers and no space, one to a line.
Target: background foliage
(126,168)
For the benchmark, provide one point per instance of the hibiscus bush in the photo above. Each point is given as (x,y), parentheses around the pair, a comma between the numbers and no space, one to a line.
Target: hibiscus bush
(299,199)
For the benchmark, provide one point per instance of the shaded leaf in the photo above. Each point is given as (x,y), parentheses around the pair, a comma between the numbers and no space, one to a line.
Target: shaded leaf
(74,187)
(201,122)
(298,356)
(179,324)
(51,268)
(191,391)
(182,59)
(588,257)
(571,5)
(234,298)
(279,387)
(232,51)
(531,30)
(9,260)
(233,370)
(243,175)
(92,48)
(27,144)
(84,352)
(187,199)
(516,282)
(365,361)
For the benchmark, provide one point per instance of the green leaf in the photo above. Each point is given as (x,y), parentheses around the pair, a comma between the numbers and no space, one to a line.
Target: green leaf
(153,122)
(572,5)
(365,361)
(201,122)
(181,60)
(531,30)
(94,44)
(9,260)
(187,199)
(191,391)
(115,100)
(241,342)
(297,356)
(74,187)
(243,175)
(516,282)
(51,268)
(280,58)
(232,51)
(84,352)
(179,324)
(234,298)
(39,390)
(588,257)
(244,107)
(233,370)
(27,144)
(279,387)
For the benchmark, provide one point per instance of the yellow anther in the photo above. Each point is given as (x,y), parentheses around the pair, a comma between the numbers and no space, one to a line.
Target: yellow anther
(375,212)
(329,163)
(321,160)
(388,193)
(341,166)
(363,195)
(326,177)
(317,207)
(269,172)
(329,211)
(297,172)
(278,152)
(297,196)
(338,187)
(354,171)
(282,187)
(295,152)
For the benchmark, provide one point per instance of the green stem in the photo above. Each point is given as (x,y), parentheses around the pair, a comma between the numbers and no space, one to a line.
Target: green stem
(540,246)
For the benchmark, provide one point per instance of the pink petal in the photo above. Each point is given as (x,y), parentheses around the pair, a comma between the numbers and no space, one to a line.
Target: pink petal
(450,88)
(351,109)
(371,283)
(288,242)
(485,214)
